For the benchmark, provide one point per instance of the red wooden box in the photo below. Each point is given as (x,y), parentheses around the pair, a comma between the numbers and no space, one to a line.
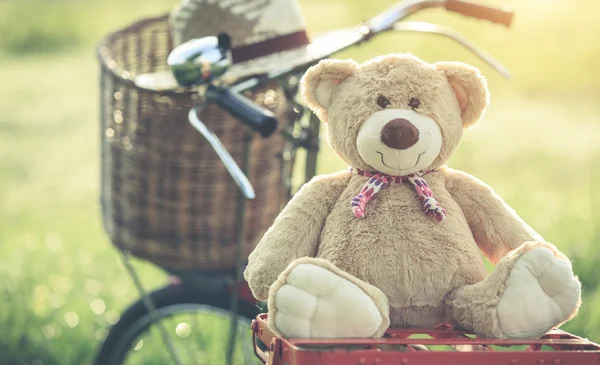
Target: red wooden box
(439,346)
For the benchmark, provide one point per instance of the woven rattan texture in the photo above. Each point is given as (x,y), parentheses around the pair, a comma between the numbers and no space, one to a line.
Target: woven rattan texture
(166,196)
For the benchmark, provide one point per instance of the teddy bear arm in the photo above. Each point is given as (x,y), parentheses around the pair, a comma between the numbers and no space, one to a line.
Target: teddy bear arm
(295,233)
(496,227)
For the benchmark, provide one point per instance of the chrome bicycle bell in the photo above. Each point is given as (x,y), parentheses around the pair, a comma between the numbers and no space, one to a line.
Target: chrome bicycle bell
(200,60)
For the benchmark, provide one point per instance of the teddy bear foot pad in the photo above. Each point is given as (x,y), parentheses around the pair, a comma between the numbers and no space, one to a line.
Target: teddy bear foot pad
(541,292)
(311,301)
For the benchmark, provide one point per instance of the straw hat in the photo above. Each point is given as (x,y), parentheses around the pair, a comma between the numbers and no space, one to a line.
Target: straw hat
(266,34)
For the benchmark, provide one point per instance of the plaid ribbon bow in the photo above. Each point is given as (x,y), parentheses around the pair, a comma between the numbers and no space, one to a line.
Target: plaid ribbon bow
(379,180)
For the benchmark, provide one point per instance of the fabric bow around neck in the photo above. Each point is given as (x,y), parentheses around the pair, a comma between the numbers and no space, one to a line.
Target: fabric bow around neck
(379,180)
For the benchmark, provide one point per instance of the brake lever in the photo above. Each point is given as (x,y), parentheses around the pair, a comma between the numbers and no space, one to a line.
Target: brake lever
(424,27)
(234,170)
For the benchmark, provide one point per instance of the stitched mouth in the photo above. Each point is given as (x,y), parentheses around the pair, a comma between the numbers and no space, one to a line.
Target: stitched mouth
(393,168)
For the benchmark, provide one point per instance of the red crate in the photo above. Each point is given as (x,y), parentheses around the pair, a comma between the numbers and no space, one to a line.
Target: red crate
(442,345)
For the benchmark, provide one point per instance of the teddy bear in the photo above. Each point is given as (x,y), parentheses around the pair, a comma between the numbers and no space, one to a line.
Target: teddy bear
(397,240)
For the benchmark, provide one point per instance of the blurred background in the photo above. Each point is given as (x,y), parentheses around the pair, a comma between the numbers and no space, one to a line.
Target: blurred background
(61,282)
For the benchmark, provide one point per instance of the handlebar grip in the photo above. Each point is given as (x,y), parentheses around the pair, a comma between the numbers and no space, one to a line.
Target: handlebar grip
(257,118)
(495,15)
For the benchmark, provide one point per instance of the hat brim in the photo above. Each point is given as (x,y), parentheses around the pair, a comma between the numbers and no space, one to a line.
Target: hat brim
(321,47)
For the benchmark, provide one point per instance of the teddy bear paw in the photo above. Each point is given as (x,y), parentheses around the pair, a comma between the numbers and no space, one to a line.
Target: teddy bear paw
(541,293)
(316,303)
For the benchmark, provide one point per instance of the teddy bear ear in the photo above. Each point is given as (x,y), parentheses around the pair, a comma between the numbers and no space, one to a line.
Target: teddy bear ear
(470,88)
(319,81)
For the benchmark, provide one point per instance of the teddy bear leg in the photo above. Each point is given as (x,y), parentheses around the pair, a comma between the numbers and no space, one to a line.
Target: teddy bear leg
(313,298)
(531,290)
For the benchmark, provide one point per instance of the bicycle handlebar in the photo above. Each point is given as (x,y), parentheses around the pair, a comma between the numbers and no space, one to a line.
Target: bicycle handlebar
(494,15)
(388,18)
(257,118)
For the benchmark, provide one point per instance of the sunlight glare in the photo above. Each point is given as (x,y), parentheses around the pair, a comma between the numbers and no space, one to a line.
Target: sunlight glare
(92,286)
(48,331)
(72,319)
(139,345)
(183,330)
(112,317)
(101,334)
(98,306)
(55,301)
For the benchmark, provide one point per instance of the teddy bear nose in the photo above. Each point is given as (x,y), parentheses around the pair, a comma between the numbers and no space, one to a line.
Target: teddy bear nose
(399,134)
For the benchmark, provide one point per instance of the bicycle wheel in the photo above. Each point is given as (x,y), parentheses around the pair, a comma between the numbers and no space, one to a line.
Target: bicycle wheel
(198,325)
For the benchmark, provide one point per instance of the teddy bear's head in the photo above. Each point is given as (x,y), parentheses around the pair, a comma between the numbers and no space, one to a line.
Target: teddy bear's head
(395,114)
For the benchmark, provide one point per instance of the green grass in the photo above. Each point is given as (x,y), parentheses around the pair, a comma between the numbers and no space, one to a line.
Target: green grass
(60,279)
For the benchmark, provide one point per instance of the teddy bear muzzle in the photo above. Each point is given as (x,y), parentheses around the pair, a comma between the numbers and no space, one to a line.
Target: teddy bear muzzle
(399,134)
(398,141)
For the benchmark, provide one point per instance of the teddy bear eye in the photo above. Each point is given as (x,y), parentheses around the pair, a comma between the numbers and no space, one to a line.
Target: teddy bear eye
(383,102)
(414,103)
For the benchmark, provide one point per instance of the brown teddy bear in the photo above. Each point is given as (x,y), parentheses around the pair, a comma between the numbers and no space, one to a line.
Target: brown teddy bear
(397,240)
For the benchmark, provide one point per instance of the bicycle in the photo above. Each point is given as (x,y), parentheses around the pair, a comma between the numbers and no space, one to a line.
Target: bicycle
(205,65)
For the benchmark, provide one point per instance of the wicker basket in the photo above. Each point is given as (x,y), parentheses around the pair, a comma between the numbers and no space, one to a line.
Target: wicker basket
(166,196)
